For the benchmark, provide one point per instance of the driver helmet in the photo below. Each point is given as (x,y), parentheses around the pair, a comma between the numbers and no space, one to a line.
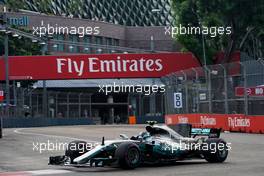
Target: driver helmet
(144,134)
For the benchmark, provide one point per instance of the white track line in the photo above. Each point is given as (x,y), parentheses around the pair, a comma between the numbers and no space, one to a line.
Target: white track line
(36,172)
(49,172)
(18,131)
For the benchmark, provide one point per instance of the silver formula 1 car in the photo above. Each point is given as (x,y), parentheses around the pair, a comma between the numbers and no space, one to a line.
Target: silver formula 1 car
(158,144)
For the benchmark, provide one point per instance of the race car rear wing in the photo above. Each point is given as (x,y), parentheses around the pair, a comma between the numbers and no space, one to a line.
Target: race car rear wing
(210,132)
(186,130)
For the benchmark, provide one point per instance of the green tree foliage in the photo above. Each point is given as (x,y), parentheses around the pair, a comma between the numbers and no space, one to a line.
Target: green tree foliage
(246,17)
(20,47)
(44,6)
(14,5)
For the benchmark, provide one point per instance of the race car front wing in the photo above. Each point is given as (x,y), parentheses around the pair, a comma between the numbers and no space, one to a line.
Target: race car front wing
(94,162)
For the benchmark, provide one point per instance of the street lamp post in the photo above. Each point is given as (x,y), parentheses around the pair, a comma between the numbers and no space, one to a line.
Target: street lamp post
(1,128)
(44,98)
(204,56)
(7,74)
(203,43)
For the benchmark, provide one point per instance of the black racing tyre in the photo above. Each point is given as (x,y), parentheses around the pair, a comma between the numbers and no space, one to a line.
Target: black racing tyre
(217,151)
(76,149)
(128,155)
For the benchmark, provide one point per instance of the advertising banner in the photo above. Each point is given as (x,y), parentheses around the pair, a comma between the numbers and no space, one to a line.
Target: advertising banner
(251,91)
(96,66)
(228,122)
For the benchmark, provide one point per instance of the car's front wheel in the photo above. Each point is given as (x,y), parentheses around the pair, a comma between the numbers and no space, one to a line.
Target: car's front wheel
(128,155)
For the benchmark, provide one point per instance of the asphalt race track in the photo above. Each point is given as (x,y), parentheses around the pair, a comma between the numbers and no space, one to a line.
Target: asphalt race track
(18,157)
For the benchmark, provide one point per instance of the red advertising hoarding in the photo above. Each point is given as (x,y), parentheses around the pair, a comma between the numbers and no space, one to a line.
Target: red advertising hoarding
(251,91)
(1,95)
(229,122)
(97,66)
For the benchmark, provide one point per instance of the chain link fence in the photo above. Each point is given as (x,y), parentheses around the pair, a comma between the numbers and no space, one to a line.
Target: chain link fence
(234,88)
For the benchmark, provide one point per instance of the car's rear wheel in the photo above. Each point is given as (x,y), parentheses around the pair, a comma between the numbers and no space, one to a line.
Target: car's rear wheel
(217,150)
(76,149)
(128,155)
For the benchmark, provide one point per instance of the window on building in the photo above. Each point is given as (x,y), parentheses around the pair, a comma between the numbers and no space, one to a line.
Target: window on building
(73,48)
(58,46)
(99,41)
(109,41)
(87,40)
(116,42)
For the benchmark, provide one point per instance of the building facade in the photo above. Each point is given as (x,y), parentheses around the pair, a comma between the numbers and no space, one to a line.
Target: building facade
(100,37)
(116,26)
(122,12)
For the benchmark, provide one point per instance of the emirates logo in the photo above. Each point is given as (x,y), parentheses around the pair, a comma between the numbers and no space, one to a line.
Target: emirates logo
(96,65)
(238,122)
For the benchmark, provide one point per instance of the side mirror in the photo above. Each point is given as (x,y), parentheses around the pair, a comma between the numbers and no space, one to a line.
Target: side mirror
(123,136)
